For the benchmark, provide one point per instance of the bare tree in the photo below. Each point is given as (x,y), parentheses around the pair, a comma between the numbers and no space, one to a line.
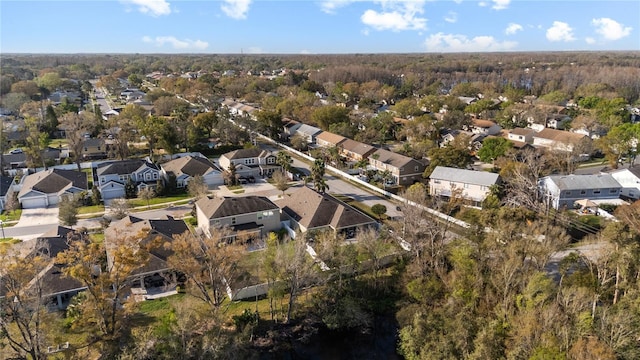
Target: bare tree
(77,126)
(280,181)
(197,187)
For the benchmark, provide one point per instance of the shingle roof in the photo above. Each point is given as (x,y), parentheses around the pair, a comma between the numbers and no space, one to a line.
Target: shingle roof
(5,184)
(313,210)
(465,176)
(131,226)
(123,167)
(189,165)
(485,124)
(246,153)
(232,206)
(357,147)
(331,138)
(579,182)
(53,181)
(308,129)
(559,135)
(392,158)
(521,131)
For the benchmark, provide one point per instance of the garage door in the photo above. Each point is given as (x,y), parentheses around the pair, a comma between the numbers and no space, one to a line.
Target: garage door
(33,203)
(112,193)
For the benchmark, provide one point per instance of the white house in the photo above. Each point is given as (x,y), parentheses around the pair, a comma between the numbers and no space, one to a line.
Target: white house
(562,191)
(484,127)
(558,139)
(524,135)
(308,132)
(250,162)
(473,186)
(629,179)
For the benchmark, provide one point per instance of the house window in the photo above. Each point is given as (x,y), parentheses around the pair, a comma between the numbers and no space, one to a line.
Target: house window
(415,168)
(583,192)
(436,181)
(259,216)
(483,188)
(567,193)
(147,176)
(103,180)
(233,220)
(596,192)
(466,186)
(155,176)
(613,191)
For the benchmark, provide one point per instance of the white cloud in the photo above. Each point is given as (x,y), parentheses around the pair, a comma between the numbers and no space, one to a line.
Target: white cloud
(482,4)
(236,9)
(500,4)
(177,44)
(590,40)
(512,28)
(254,50)
(305,52)
(610,29)
(560,31)
(151,7)
(396,16)
(451,17)
(460,43)
(330,6)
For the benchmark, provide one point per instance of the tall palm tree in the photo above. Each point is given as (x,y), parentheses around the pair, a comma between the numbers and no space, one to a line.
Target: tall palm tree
(284,160)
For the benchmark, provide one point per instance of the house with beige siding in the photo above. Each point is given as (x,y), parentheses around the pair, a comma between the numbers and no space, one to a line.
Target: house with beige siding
(404,170)
(248,216)
(327,139)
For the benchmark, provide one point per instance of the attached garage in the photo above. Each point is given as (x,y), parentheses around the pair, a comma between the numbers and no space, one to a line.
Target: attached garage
(112,190)
(33,200)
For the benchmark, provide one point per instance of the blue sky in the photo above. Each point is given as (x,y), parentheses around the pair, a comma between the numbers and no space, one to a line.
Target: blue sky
(316,27)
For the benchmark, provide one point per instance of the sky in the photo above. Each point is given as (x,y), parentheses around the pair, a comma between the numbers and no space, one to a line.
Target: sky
(317,26)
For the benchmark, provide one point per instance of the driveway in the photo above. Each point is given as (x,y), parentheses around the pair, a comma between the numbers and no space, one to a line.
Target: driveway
(31,217)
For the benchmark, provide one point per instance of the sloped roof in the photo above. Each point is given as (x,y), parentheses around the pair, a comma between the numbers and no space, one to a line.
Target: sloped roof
(131,226)
(233,206)
(123,167)
(246,153)
(315,210)
(357,147)
(392,158)
(308,129)
(579,182)
(331,137)
(53,181)
(5,184)
(189,165)
(465,176)
(521,131)
(484,124)
(559,135)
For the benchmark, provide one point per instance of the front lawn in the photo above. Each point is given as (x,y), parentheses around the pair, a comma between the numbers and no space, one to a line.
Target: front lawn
(159,200)
(91,209)
(10,216)
(358,205)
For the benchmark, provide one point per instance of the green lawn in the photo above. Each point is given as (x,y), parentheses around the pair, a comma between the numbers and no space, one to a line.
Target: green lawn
(90,209)
(234,187)
(159,200)
(8,216)
(358,205)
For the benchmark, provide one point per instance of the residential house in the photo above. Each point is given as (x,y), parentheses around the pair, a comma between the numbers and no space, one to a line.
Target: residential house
(559,140)
(484,127)
(307,210)
(152,236)
(112,177)
(187,167)
(55,289)
(451,135)
(562,191)
(246,216)
(250,162)
(522,135)
(629,179)
(558,121)
(94,148)
(289,126)
(404,170)
(6,189)
(308,132)
(355,151)
(14,161)
(45,188)
(328,140)
(472,186)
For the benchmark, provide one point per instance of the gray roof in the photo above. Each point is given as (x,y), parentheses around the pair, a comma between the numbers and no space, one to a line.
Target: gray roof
(392,158)
(464,176)
(246,153)
(122,167)
(232,206)
(315,210)
(5,184)
(54,180)
(579,182)
(308,129)
(192,166)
